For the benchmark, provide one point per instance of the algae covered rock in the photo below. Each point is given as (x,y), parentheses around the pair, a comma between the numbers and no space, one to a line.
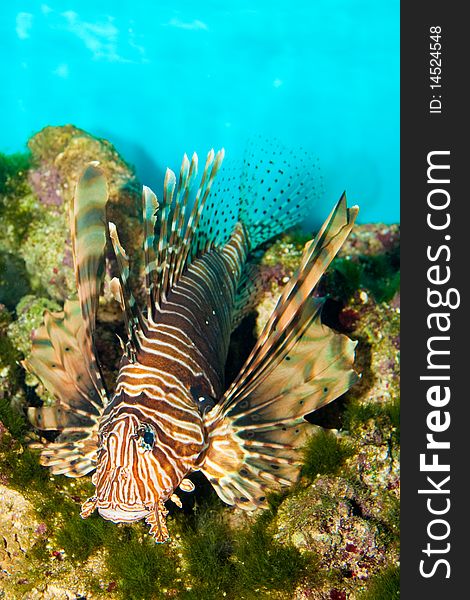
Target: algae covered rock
(59,155)
(12,391)
(18,525)
(34,206)
(326,518)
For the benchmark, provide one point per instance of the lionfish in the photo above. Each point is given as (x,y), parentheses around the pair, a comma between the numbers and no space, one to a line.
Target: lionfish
(171,414)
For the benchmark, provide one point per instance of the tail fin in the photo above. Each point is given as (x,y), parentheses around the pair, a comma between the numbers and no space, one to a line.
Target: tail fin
(296,366)
(63,355)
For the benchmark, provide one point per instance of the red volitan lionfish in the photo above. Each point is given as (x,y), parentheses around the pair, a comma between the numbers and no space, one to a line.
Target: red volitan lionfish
(171,414)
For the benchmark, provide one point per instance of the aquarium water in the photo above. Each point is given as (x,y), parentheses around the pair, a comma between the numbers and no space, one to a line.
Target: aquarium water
(161,78)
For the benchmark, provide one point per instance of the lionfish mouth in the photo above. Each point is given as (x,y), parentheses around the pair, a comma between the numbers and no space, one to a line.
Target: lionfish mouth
(123,515)
(154,515)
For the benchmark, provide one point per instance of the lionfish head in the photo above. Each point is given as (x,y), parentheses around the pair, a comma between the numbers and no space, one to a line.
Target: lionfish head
(126,478)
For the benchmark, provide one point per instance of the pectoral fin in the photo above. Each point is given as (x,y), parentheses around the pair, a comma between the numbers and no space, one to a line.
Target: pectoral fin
(297,366)
(156,520)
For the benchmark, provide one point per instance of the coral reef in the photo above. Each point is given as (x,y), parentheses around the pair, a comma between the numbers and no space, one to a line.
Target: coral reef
(35,202)
(334,536)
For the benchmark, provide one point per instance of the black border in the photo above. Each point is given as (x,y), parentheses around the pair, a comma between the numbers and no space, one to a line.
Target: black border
(422,132)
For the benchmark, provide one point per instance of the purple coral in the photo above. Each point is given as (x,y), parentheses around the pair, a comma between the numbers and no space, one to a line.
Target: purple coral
(46,184)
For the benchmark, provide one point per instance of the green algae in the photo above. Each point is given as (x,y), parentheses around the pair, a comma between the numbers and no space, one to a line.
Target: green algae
(79,537)
(378,274)
(242,562)
(14,279)
(324,454)
(29,316)
(286,250)
(141,569)
(11,419)
(13,173)
(384,586)
(208,546)
(10,372)
(18,206)
(268,564)
(17,212)
(356,414)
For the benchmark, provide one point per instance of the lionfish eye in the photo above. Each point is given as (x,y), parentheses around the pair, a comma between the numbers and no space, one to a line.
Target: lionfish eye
(147,437)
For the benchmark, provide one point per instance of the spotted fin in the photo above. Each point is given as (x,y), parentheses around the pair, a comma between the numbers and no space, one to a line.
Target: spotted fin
(271,190)
(296,366)
(63,354)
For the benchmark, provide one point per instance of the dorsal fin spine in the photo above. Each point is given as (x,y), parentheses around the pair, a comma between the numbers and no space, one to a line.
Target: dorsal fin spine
(166,259)
(149,209)
(212,166)
(176,223)
(168,192)
(132,311)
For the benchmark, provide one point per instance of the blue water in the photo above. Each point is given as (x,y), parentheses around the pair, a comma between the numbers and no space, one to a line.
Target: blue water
(161,78)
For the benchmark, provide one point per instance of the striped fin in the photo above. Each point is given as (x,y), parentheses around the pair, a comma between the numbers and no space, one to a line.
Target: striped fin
(282,328)
(187,176)
(162,255)
(60,359)
(185,243)
(296,366)
(63,354)
(176,229)
(87,221)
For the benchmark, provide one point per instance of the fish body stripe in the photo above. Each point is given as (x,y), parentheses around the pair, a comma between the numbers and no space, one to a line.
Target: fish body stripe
(183,347)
